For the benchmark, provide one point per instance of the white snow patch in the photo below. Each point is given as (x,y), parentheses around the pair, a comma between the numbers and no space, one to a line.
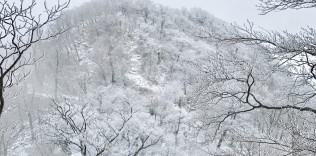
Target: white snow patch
(76,154)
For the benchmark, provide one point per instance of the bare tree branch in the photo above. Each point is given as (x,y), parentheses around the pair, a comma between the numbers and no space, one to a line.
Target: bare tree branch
(267,6)
(20,28)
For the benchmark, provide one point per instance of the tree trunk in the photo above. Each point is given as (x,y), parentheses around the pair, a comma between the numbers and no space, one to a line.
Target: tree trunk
(56,75)
(159,57)
(31,124)
(1,102)
(112,65)
(1,97)
(221,139)
(4,146)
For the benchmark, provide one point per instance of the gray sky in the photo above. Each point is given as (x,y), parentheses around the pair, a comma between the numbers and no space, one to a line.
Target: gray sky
(241,10)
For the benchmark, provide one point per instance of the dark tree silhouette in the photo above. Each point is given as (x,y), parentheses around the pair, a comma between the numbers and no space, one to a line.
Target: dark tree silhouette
(20,28)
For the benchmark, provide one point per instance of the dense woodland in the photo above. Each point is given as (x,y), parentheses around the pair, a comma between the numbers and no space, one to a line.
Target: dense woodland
(131,77)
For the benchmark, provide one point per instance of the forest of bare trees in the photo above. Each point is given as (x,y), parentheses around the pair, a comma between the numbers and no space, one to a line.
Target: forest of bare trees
(137,78)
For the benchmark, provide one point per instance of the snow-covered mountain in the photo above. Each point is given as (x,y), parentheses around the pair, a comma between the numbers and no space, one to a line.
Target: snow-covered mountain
(131,77)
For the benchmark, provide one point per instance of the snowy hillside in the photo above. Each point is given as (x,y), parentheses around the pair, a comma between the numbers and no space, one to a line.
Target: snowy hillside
(136,78)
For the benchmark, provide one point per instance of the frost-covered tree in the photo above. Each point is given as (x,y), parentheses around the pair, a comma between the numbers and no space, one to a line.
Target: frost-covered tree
(131,78)
(279,80)
(20,28)
(120,127)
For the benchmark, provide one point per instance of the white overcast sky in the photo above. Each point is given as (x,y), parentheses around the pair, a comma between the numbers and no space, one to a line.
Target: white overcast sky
(241,10)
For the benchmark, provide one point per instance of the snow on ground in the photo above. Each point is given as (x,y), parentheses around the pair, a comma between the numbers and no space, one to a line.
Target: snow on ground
(76,154)
(134,70)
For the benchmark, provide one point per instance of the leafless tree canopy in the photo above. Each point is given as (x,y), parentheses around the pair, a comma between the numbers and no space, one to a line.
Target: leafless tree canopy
(20,27)
(293,54)
(134,78)
(267,6)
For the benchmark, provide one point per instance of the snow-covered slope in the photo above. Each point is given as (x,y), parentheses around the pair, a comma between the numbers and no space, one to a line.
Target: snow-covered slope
(123,81)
